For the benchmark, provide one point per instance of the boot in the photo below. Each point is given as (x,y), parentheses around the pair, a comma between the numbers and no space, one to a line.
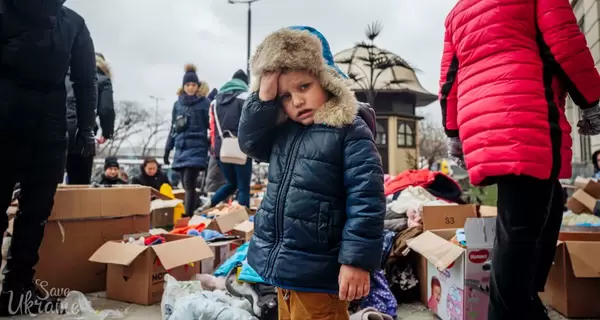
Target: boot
(28,300)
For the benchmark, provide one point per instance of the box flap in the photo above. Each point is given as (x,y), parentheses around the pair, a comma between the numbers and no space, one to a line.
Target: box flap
(117,253)
(227,221)
(177,253)
(589,186)
(488,211)
(447,216)
(159,195)
(585,199)
(585,258)
(480,232)
(246,226)
(436,250)
(164,204)
(198,220)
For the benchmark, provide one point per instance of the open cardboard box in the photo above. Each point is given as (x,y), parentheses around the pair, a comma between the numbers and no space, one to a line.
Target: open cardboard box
(447,216)
(163,211)
(457,279)
(573,285)
(584,199)
(83,218)
(136,273)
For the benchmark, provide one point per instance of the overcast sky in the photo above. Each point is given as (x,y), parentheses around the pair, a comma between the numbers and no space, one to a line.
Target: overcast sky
(147,42)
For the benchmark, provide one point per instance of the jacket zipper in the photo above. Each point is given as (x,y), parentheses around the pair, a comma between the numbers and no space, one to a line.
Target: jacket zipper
(280,203)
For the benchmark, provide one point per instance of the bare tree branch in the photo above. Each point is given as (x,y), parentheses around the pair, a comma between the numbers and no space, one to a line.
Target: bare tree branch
(432,143)
(130,120)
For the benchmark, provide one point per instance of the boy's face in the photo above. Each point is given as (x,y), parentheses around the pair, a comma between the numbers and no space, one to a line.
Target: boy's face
(302,95)
(111,172)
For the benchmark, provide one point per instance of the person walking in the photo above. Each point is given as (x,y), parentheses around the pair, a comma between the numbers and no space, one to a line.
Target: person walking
(226,111)
(79,167)
(189,135)
(40,41)
(506,70)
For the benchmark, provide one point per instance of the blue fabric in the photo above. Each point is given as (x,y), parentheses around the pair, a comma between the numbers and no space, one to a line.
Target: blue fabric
(249,275)
(327,55)
(380,297)
(388,242)
(210,234)
(191,145)
(324,206)
(236,259)
(238,178)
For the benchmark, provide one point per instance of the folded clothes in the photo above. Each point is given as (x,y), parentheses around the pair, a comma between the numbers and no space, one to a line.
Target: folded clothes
(184,230)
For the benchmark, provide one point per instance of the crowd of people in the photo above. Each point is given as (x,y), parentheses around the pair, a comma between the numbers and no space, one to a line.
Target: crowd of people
(319,230)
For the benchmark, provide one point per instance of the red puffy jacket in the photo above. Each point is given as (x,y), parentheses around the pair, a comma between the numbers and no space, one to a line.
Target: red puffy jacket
(506,69)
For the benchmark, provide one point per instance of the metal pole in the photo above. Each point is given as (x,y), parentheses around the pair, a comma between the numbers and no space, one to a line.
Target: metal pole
(249,38)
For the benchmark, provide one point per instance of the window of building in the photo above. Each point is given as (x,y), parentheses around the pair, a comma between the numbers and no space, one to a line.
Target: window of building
(381,128)
(406,134)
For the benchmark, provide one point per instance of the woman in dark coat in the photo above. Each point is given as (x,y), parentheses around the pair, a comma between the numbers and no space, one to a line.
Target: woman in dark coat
(151,175)
(189,135)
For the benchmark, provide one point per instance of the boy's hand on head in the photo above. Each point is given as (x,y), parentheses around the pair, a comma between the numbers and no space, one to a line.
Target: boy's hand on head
(268,86)
(355,283)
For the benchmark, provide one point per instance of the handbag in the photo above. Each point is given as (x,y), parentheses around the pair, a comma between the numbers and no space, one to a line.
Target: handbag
(180,123)
(230,148)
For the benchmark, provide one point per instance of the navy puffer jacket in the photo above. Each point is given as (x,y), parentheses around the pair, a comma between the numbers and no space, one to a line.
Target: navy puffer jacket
(324,204)
(191,145)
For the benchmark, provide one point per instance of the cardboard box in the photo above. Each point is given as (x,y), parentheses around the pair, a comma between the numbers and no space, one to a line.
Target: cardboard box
(221,251)
(163,211)
(136,273)
(244,230)
(224,222)
(457,279)
(573,284)
(447,216)
(83,219)
(584,199)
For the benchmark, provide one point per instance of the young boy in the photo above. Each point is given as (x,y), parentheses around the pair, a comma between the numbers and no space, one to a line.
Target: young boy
(318,232)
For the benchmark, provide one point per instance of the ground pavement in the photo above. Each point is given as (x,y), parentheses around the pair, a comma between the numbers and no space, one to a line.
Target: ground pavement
(135,312)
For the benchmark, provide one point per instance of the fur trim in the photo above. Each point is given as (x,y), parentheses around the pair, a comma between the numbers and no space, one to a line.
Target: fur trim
(102,65)
(203,90)
(190,67)
(288,49)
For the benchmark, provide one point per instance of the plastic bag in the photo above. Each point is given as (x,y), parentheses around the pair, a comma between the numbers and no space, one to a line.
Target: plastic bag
(79,307)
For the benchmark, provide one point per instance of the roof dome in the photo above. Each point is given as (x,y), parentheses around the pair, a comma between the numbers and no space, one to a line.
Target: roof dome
(392,79)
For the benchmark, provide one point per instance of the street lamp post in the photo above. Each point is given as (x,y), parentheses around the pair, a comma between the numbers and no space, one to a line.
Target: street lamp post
(249,3)
(156,109)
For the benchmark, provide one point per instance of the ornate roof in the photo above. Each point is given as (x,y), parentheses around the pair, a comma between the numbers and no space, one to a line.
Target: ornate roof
(393,79)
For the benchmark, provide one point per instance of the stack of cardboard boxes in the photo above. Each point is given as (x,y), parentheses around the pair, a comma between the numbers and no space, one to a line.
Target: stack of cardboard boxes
(573,286)
(83,247)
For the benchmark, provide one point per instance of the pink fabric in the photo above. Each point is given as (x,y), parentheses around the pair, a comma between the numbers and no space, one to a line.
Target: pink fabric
(497,102)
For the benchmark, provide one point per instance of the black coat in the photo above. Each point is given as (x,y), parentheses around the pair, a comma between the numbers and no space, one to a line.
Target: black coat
(104,180)
(39,44)
(105,106)
(324,205)
(154,182)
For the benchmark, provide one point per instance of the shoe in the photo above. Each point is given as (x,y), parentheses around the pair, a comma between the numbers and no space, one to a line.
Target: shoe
(28,300)
(538,309)
(203,207)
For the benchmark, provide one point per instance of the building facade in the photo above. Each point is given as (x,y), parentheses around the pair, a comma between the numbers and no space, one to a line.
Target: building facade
(588,18)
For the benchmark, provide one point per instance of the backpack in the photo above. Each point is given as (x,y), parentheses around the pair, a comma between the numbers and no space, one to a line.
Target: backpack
(267,301)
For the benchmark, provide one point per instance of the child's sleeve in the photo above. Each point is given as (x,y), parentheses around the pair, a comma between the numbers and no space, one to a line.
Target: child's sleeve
(448,96)
(563,43)
(257,126)
(362,238)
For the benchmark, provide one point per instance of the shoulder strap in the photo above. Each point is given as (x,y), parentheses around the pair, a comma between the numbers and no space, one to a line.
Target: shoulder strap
(217,124)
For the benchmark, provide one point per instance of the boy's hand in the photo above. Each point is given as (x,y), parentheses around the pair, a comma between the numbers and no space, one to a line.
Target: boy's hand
(268,86)
(355,283)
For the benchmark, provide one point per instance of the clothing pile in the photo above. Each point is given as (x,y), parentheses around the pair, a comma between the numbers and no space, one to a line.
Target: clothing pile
(407,194)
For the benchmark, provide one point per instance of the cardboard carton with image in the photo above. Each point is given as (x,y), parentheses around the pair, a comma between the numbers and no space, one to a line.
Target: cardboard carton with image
(457,279)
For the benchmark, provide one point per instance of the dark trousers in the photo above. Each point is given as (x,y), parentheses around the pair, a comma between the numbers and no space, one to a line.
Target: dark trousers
(189,176)
(79,169)
(527,227)
(238,178)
